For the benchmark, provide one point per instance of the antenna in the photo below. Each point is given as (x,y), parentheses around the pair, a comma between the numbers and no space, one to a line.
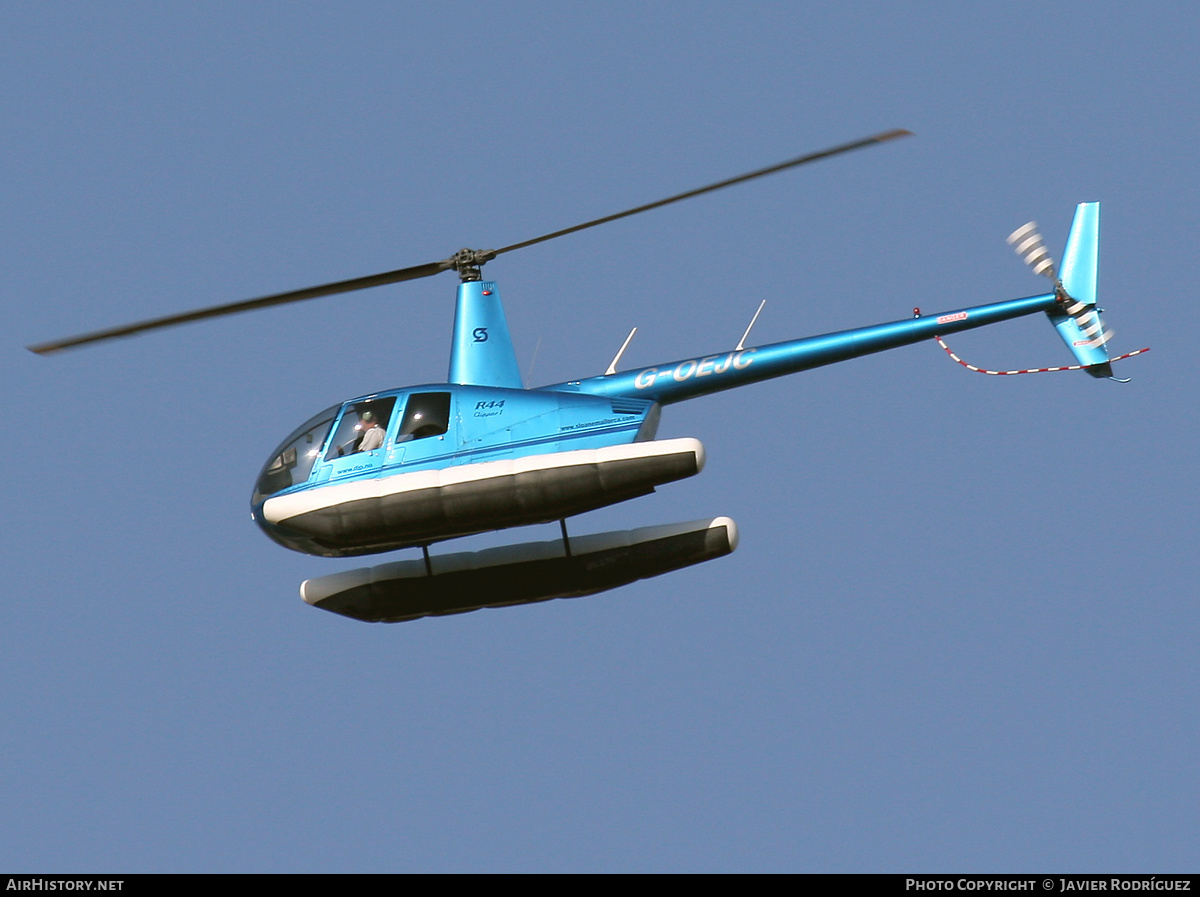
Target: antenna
(529,375)
(742,342)
(612,367)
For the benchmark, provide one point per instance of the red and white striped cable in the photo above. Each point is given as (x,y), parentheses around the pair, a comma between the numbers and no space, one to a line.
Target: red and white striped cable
(1072,367)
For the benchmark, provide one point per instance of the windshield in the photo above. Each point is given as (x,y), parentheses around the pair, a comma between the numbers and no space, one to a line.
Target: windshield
(293,461)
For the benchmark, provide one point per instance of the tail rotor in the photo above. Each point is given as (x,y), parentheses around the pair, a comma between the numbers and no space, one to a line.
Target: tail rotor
(1077,318)
(1074,314)
(1029,245)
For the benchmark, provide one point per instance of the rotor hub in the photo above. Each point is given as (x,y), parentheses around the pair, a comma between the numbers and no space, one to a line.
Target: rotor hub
(467,263)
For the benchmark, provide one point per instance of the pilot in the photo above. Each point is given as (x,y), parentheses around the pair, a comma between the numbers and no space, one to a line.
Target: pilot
(372,433)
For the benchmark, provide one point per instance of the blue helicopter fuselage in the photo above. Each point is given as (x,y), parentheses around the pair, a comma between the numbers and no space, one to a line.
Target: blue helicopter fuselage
(417,465)
(446,455)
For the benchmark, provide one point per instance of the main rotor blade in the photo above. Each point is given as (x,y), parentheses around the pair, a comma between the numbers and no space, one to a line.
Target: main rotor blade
(762,172)
(328,289)
(463,261)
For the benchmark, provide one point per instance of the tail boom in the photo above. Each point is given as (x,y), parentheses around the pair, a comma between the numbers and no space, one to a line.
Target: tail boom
(692,377)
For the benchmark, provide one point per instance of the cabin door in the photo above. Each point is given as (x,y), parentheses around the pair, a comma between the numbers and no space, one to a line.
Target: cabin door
(359,444)
(427,430)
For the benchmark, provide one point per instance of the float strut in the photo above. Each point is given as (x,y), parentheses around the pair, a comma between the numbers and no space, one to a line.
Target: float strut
(428,566)
(562,523)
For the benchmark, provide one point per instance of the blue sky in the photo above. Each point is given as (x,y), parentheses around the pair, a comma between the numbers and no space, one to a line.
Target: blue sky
(960,630)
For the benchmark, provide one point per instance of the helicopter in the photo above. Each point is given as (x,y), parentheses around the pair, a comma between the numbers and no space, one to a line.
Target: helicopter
(411,467)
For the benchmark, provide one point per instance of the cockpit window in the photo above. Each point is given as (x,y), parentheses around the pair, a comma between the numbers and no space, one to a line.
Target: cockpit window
(361,428)
(293,461)
(425,414)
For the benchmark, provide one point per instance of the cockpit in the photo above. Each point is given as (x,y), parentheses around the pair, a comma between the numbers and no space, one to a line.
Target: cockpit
(362,427)
(294,459)
(367,433)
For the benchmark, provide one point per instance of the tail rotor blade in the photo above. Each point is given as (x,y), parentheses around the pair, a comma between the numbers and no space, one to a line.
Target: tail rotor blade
(1031,248)
(1089,322)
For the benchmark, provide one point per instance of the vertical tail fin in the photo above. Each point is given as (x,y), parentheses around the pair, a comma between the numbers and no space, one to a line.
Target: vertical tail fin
(1079,323)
